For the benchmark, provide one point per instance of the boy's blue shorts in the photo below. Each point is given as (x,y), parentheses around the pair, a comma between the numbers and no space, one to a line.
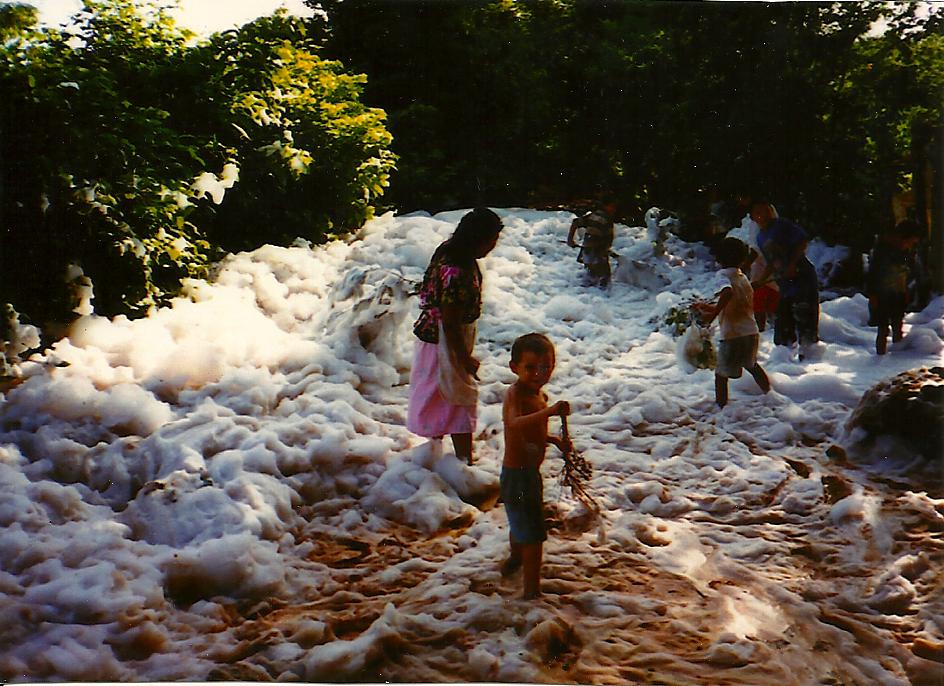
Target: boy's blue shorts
(522,492)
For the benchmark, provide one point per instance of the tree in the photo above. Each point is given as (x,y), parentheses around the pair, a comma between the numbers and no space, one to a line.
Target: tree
(95,175)
(314,161)
(141,157)
(514,101)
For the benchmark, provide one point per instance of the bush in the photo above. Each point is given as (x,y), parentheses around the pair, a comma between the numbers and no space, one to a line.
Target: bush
(142,157)
(314,160)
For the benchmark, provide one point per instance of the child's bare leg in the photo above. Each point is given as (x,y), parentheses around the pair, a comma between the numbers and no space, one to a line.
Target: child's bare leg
(604,274)
(721,390)
(462,443)
(531,554)
(896,331)
(598,268)
(514,559)
(881,339)
(760,376)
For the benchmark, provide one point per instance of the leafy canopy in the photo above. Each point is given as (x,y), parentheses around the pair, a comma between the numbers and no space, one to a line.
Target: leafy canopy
(143,156)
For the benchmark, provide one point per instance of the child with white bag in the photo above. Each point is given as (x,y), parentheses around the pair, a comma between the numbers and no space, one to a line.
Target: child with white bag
(735,313)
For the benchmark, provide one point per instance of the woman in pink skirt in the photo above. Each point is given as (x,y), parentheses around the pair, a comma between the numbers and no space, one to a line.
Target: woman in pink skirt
(443,390)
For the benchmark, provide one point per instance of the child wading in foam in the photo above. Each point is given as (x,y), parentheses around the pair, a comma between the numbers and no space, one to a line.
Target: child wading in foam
(735,312)
(598,231)
(766,290)
(525,413)
(891,264)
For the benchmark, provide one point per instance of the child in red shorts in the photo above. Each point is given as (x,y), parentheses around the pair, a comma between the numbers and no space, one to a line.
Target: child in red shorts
(766,299)
(766,293)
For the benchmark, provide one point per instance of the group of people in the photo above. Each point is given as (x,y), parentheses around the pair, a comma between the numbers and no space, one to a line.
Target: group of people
(782,283)
(785,283)
(443,389)
(443,393)
(783,278)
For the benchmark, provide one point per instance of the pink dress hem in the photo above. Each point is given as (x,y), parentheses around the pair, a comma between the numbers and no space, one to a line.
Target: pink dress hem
(429,414)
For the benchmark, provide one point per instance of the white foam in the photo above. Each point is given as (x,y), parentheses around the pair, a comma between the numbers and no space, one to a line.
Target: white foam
(245,449)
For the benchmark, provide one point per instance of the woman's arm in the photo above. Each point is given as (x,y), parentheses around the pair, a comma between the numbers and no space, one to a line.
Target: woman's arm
(452,329)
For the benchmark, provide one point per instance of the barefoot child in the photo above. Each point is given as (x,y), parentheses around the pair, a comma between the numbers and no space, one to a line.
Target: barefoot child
(891,264)
(735,312)
(525,413)
(598,231)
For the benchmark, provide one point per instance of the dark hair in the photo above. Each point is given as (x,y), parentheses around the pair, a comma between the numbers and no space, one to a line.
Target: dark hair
(536,343)
(908,228)
(609,205)
(731,252)
(476,227)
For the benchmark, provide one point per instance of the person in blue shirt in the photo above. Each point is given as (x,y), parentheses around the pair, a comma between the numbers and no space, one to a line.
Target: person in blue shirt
(783,245)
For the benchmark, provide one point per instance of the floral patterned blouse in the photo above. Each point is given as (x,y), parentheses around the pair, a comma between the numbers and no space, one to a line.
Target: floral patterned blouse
(446,283)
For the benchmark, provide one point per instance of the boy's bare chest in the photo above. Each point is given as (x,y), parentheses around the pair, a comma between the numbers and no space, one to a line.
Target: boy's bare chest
(534,403)
(535,433)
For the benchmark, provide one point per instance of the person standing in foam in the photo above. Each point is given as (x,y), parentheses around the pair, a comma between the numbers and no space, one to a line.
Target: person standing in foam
(443,389)
(766,290)
(735,312)
(891,264)
(598,231)
(783,244)
(525,413)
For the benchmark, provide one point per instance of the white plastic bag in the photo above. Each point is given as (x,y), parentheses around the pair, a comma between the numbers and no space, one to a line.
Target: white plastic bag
(696,349)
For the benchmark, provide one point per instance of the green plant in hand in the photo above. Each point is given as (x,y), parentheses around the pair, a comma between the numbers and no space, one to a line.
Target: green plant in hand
(680,317)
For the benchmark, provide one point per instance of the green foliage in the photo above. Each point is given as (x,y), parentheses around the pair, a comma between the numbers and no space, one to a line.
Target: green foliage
(464,85)
(696,343)
(314,160)
(141,156)
(678,319)
(546,101)
(707,357)
(16,20)
(681,316)
(95,174)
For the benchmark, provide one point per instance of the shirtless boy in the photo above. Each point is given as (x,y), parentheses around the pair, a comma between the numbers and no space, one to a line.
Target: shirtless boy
(525,413)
